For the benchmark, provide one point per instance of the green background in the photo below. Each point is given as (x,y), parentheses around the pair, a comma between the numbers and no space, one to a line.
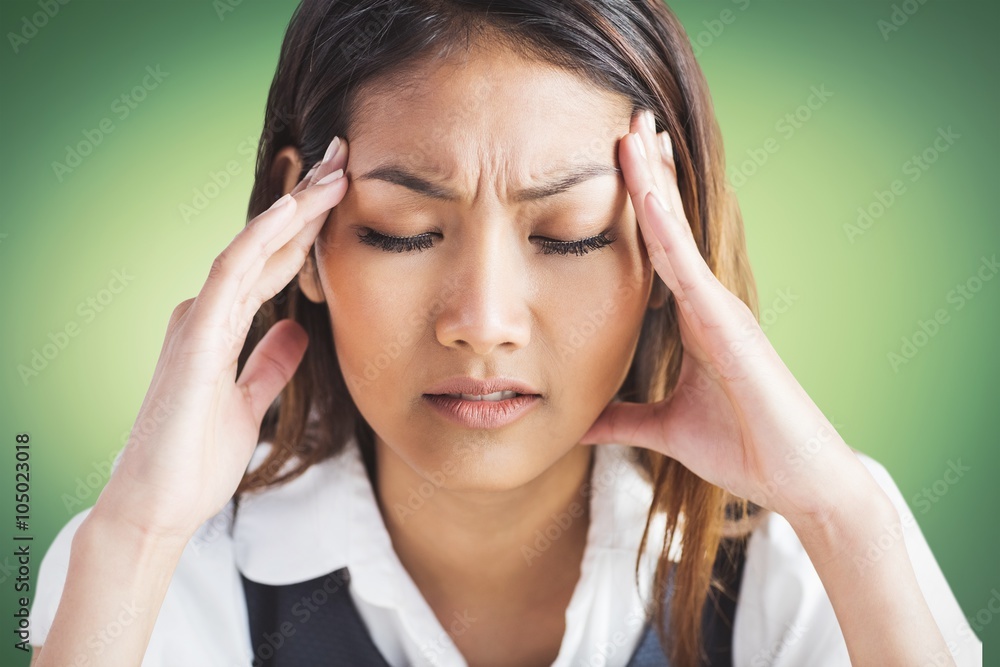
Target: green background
(834,306)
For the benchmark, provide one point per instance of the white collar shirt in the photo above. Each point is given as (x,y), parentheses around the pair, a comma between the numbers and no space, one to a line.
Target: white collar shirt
(328,518)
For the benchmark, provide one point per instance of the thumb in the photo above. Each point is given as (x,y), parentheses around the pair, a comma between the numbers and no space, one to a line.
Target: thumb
(623,423)
(272,364)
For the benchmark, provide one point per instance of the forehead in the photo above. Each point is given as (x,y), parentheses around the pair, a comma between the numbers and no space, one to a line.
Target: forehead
(491,115)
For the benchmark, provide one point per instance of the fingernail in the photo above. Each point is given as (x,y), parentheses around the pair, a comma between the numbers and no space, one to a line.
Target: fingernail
(332,149)
(665,146)
(650,120)
(283,201)
(330,178)
(638,143)
(659,203)
(309,174)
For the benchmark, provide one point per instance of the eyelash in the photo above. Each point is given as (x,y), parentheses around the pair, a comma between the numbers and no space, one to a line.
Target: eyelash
(423,241)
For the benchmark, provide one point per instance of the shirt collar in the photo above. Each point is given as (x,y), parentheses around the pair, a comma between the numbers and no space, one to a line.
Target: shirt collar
(328,518)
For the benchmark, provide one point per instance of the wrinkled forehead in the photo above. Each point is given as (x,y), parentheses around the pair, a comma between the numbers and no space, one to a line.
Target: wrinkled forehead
(491,115)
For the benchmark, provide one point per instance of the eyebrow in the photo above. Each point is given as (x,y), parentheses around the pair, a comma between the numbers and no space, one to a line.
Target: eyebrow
(399,175)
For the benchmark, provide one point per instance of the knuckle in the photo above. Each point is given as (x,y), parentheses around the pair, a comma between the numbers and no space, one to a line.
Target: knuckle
(246,323)
(183,306)
(705,275)
(251,304)
(742,309)
(263,251)
(747,319)
(219,265)
(655,250)
(297,249)
(241,301)
(246,392)
(684,303)
(179,311)
(687,285)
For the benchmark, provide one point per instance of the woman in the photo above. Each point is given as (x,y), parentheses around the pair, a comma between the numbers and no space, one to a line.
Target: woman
(496,399)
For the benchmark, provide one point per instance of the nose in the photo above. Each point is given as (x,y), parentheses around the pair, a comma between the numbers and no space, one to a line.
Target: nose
(489,309)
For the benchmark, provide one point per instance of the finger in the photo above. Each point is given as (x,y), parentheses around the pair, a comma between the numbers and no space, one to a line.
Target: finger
(700,292)
(280,268)
(338,153)
(270,274)
(236,271)
(660,159)
(271,365)
(278,271)
(696,289)
(669,167)
(176,317)
(339,156)
(179,312)
(334,158)
(625,423)
(637,182)
(305,180)
(644,124)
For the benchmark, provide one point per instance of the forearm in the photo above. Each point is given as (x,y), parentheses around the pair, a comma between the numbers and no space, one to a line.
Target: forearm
(859,553)
(115,585)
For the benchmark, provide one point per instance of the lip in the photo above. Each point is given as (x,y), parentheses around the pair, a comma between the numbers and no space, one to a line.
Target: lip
(482,414)
(470,385)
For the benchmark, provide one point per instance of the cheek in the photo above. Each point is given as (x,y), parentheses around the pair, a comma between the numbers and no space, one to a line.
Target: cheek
(375,311)
(593,327)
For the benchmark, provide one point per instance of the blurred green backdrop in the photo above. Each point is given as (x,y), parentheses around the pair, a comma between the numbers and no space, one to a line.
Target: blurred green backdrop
(860,138)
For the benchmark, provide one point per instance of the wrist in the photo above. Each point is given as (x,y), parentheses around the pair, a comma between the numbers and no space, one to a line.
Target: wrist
(145,512)
(848,522)
(108,526)
(140,565)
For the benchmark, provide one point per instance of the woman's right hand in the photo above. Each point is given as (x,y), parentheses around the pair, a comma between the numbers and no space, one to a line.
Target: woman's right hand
(199,424)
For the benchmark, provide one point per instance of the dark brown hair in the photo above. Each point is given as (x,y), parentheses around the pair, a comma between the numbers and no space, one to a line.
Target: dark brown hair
(333,49)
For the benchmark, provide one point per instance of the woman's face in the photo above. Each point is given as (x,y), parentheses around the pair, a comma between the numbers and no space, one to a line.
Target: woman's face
(478,296)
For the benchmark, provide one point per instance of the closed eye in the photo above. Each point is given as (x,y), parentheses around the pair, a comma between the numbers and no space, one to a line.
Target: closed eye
(395,243)
(421,242)
(581,247)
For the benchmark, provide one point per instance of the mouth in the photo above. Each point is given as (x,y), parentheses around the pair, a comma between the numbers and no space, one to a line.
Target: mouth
(486,389)
(494,397)
(482,403)
(481,411)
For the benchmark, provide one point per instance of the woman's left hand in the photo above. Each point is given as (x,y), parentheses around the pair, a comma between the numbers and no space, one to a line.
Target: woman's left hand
(737,417)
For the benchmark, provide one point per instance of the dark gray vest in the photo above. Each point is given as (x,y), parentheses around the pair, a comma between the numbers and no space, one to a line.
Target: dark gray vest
(316,623)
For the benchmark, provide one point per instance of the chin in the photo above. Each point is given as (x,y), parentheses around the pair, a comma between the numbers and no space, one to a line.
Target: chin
(482,461)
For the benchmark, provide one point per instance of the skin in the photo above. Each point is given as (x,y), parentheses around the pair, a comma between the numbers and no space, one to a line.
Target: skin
(485,301)
(740,420)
